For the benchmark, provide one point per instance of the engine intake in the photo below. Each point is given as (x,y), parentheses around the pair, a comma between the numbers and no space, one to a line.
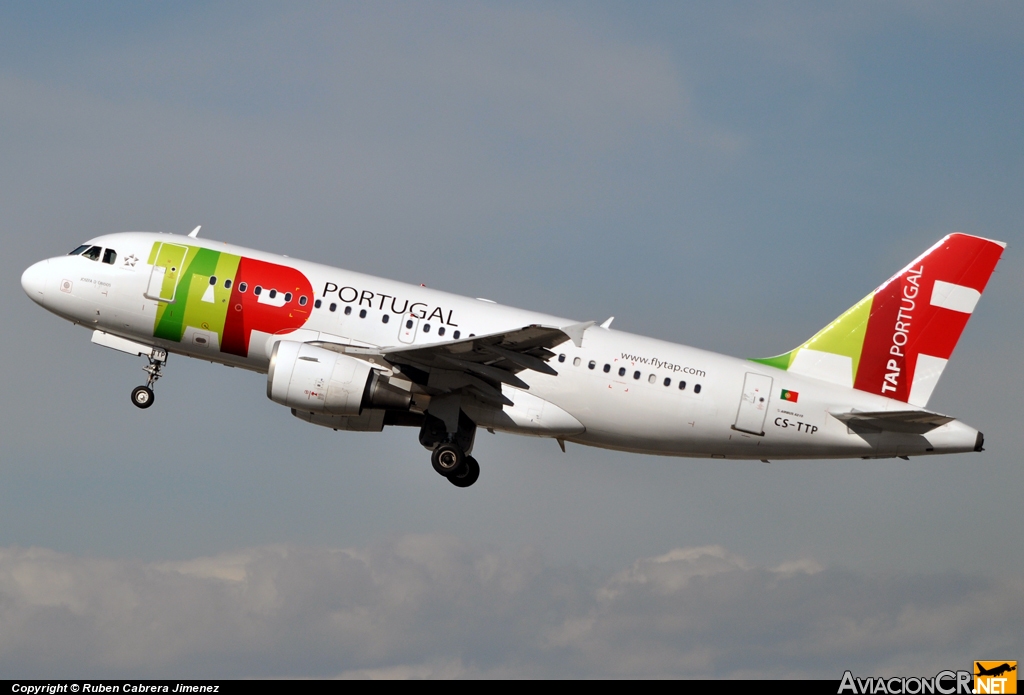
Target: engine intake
(316,380)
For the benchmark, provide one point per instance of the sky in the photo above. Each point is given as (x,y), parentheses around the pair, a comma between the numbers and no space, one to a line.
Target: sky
(727,175)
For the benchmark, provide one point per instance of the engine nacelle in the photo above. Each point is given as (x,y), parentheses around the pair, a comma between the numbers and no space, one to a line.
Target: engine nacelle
(316,380)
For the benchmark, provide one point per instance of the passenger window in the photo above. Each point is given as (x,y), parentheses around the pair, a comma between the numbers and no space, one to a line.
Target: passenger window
(362,313)
(561,358)
(592,364)
(93,254)
(651,379)
(257,290)
(227,284)
(333,307)
(317,304)
(456,334)
(273,293)
(576,362)
(385,318)
(287,297)
(426,328)
(242,287)
(440,331)
(109,256)
(348,311)
(668,382)
(696,388)
(607,368)
(213,279)
(682,385)
(303,300)
(622,371)
(79,250)
(408,324)
(636,375)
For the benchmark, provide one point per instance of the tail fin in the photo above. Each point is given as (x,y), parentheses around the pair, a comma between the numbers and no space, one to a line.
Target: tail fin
(896,341)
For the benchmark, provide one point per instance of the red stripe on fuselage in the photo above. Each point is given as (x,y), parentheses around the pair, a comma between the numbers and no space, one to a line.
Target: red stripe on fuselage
(246,313)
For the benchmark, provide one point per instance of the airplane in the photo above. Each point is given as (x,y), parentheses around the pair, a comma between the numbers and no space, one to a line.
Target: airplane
(355,352)
(994,671)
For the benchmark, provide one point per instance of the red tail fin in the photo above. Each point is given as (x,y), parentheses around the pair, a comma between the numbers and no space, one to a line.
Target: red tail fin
(918,315)
(896,341)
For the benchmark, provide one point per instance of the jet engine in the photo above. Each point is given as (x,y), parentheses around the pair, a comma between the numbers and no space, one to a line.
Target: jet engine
(316,380)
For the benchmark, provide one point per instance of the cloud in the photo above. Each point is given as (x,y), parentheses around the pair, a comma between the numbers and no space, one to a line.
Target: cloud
(433,606)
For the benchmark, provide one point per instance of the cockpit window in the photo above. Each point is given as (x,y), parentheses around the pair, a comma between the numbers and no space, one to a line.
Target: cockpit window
(93,253)
(79,250)
(109,256)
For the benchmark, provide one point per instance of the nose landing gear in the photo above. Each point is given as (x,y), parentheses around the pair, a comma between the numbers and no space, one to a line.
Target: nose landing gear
(142,396)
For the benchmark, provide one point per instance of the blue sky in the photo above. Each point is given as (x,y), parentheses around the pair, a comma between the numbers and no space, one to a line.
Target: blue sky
(726,175)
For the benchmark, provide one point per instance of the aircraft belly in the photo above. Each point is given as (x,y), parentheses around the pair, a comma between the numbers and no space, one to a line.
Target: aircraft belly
(629,419)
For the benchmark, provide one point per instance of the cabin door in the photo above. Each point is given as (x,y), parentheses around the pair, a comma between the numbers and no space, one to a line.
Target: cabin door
(753,408)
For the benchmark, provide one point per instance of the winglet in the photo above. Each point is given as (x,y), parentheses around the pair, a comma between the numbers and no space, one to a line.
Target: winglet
(608,323)
(195,232)
(576,331)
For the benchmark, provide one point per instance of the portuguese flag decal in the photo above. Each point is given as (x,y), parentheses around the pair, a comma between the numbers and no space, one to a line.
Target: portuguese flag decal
(790,396)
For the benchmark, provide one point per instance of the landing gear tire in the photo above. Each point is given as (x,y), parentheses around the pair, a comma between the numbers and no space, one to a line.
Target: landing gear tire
(142,397)
(448,459)
(469,476)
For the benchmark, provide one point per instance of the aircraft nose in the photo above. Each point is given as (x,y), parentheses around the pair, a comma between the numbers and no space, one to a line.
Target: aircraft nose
(33,280)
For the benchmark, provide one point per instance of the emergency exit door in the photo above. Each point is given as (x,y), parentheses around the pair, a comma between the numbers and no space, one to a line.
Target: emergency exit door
(410,326)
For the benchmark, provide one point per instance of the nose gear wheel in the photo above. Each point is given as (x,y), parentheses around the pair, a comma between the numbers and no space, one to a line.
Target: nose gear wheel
(142,396)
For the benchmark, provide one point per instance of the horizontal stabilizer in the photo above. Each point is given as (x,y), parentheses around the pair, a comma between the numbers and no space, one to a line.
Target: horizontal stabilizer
(908,421)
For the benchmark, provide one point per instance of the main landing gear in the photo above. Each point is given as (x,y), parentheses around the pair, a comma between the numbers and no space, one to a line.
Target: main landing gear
(450,461)
(142,396)
(449,450)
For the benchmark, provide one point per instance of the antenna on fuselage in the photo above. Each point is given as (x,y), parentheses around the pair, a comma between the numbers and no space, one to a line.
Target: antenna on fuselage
(195,232)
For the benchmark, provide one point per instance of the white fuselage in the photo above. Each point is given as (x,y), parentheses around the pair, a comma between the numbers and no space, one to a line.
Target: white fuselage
(609,392)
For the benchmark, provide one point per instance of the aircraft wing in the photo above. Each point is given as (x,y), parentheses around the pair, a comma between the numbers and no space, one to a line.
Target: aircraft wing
(908,421)
(480,364)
